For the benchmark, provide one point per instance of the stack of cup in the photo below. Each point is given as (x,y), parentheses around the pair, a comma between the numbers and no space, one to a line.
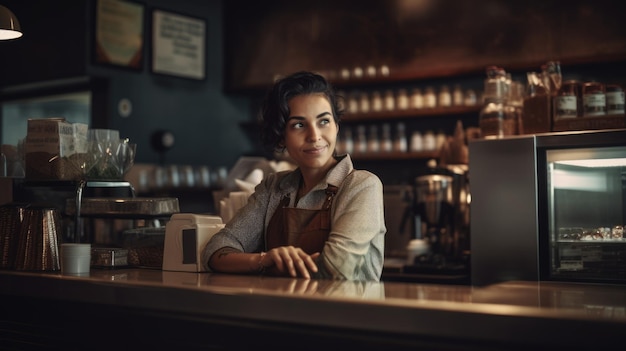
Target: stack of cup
(75,258)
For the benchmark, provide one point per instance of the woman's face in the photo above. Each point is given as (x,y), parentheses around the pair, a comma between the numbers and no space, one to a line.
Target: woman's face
(311,132)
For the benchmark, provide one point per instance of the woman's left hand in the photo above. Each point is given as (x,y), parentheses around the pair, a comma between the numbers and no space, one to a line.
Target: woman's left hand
(291,261)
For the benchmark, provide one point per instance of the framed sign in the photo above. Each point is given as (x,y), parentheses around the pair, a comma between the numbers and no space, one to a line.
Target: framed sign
(119,33)
(178,45)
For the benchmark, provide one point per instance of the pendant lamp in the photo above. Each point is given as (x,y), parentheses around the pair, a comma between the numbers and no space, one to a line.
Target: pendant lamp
(9,25)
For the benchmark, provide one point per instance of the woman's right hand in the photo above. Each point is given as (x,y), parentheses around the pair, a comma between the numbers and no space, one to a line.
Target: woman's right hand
(289,261)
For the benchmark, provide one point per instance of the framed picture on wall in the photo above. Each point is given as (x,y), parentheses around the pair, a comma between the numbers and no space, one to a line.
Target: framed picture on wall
(119,33)
(178,45)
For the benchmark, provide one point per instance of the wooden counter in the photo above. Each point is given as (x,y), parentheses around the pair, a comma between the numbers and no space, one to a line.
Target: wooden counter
(125,308)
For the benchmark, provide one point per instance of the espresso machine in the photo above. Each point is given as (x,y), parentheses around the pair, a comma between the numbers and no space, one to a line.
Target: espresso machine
(440,216)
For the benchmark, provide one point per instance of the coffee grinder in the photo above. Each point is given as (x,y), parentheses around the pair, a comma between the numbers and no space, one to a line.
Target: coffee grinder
(441,210)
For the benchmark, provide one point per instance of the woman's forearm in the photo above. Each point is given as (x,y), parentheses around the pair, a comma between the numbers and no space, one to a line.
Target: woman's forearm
(230,260)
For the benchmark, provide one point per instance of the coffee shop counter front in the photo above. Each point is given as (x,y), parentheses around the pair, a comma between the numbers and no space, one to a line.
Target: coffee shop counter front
(136,307)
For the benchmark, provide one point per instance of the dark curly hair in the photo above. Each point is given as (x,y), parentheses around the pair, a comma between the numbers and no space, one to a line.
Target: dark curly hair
(275,111)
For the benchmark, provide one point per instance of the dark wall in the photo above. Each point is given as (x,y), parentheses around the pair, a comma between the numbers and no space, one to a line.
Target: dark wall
(57,43)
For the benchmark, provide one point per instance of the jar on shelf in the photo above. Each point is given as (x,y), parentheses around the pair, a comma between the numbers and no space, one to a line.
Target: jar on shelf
(614,100)
(386,144)
(361,140)
(389,101)
(445,97)
(470,98)
(357,72)
(457,95)
(400,143)
(594,99)
(494,119)
(402,100)
(364,103)
(347,144)
(377,101)
(566,101)
(353,102)
(373,145)
(417,99)
(429,141)
(417,142)
(384,70)
(430,99)
(440,139)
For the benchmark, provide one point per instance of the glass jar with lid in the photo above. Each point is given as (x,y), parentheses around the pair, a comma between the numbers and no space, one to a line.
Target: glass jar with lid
(614,100)
(494,120)
(594,99)
(567,100)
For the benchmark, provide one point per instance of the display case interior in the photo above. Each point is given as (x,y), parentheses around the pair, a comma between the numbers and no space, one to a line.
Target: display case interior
(586,210)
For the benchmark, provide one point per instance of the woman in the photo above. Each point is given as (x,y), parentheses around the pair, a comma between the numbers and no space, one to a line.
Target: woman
(322,220)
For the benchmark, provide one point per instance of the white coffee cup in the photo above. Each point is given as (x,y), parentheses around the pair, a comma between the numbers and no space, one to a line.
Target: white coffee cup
(75,258)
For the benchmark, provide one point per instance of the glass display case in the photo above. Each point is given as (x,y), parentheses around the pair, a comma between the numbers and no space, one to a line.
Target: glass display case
(586,198)
(549,206)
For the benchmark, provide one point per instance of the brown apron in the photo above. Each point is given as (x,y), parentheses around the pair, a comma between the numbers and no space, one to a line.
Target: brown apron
(306,229)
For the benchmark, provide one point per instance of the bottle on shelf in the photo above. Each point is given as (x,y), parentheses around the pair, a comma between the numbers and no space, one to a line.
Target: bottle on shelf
(344,142)
(417,142)
(444,98)
(389,101)
(364,103)
(386,145)
(440,139)
(377,102)
(373,145)
(417,99)
(400,143)
(430,141)
(353,102)
(361,140)
(402,100)
(430,99)
(457,95)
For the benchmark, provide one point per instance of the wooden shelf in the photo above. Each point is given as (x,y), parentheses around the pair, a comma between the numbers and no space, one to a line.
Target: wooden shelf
(587,123)
(393,155)
(413,113)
